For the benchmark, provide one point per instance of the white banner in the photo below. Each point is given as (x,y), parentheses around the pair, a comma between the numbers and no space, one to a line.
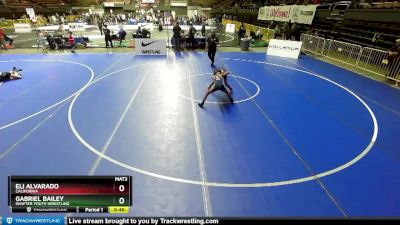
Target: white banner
(76,26)
(146,46)
(302,13)
(280,13)
(230,28)
(31,14)
(22,28)
(289,49)
(262,13)
(296,13)
(108,4)
(147,26)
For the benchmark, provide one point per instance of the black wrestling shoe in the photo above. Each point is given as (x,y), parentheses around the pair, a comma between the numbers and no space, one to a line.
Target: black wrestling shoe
(201,104)
(232,102)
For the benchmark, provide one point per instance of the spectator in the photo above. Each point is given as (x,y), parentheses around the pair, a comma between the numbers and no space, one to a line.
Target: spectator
(2,39)
(107,36)
(71,42)
(192,32)
(121,35)
(286,31)
(42,40)
(272,25)
(393,59)
(146,33)
(259,34)
(160,28)
(203,30)
(177,36)
(294,33)
(9,39)
(139,32)
(100,25)
(253,35)
(242,32)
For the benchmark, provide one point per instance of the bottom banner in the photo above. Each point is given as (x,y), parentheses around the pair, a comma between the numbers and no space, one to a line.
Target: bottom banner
(209,220)
(139,221)
(51,220)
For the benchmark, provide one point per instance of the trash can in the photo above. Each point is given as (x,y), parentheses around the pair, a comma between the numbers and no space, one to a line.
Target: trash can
(244,44)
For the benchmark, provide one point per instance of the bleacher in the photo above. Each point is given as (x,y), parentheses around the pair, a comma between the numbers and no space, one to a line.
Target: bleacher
(19,4)
(367,27)
(52,3)
(367,23)
(36,3)
(375,36)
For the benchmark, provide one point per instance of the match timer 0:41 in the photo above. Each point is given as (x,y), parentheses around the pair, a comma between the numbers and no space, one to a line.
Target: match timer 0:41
(88,194)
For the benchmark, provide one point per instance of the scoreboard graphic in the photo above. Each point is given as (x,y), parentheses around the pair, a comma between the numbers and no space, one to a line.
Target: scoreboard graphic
(86,194)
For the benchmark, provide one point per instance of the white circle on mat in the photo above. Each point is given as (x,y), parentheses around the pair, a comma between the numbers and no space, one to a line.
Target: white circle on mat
(238,185)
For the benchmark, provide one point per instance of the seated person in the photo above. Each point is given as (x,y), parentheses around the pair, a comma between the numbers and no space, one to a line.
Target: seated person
(259,34)
(253,35)
(139,33)
(146,33)
(9,39)
(12,75)
(114,37)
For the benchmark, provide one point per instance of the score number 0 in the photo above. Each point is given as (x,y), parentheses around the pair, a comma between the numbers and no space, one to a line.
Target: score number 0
(121,188)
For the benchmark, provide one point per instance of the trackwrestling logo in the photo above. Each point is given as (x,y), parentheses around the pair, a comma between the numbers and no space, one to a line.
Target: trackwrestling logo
(33,220)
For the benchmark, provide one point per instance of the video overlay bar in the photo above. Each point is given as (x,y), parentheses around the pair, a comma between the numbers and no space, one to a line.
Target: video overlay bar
(88,194)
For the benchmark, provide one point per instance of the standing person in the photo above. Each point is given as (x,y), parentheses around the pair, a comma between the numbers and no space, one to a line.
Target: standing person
(107,36)
(393,57)
(259,34)
(212,42)
(177,36)
(160,28)
(71,42)
(286,30)
(100,25)
(294,32)
(192,32)
(203,30)
(242,32)
(218,84)
(3,39)
(42,40)
(121,35)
